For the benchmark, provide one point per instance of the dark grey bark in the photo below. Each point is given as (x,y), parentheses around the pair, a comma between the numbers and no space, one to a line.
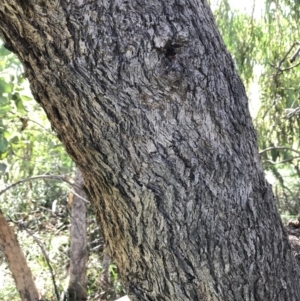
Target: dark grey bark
(146,99)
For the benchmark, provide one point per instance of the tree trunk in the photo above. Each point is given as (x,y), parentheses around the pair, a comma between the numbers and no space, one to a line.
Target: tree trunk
(148,103)
(16,262)
(77,287)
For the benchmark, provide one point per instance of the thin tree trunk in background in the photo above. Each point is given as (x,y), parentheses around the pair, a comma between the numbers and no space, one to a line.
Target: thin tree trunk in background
(104,280)
(77,289)
(16,262)
(148,103)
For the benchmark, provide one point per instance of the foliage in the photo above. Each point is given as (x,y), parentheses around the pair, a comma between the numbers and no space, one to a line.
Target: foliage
(27,145)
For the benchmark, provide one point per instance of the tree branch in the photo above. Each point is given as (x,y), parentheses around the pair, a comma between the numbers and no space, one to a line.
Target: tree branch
(50,177)
(279,147)
(283,161)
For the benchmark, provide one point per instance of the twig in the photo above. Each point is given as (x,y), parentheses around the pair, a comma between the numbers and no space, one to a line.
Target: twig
(278,67)
(283,161)
(51,177)
(85,200)
(295,54)
(52,213)
(293,113)
(47,130)
(279,71)
(289,68)
(279,147)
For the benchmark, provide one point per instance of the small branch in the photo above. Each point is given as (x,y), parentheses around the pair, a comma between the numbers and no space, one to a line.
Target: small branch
(49,177)
(285,57)
(295,54)
(278,67)
(52,213)
(289,68)
(279,71)
(293,112)
(284,161)
(72,191)
(279,147)
(47,130)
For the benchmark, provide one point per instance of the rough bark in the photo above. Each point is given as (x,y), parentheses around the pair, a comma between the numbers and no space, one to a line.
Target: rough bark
(77,287)
(148,103)
(16,262)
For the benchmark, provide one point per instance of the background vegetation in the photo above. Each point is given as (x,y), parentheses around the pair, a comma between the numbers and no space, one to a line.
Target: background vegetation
(265,45)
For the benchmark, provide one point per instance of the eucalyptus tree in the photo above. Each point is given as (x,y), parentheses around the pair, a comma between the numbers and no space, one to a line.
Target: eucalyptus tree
(148,103)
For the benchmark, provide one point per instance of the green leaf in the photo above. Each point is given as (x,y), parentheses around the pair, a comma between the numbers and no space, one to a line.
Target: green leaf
(18,102)
(4,51)
(4,87)
(24,97)
(14,140)
(4,110)
(3,144)
(3,168)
